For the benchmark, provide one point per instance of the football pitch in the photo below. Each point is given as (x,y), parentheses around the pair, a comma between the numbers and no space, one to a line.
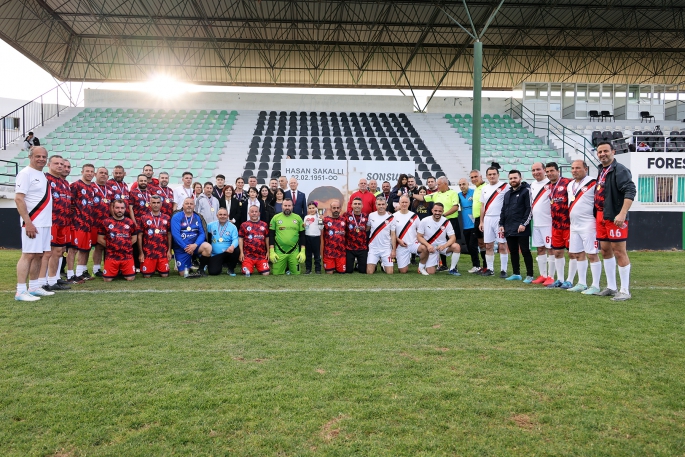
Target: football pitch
(380,365)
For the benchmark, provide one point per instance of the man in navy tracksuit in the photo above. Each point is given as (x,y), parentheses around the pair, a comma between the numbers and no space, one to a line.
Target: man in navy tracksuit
(514,222)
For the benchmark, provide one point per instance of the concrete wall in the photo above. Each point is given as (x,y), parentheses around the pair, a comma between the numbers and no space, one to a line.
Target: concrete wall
(95,98)
(464,105)
(7,105)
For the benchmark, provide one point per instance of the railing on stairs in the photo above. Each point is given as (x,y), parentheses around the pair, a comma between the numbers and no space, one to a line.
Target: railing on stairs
(552,129)
(35,113)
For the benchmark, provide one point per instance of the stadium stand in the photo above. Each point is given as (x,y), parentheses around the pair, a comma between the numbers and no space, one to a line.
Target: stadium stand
(333,135)
(505,141)
(133,138)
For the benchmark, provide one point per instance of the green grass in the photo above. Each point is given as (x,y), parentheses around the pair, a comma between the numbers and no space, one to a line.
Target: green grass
(379,365)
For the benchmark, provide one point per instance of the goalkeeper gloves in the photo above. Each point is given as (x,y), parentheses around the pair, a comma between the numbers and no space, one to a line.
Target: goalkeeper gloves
(301,256)
(273,256)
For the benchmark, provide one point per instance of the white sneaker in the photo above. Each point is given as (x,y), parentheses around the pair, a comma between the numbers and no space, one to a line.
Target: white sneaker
(423,271)
(246,271)
(25,296)
(621,296)
(40,292)
(474,270)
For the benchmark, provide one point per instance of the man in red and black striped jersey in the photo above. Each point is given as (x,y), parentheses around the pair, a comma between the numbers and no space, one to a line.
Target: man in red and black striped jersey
(561,224)
(154,240)
(101,211)
(166,193)
(356,241)
(253,240)
(82,206)
(334,256)
(117,235)
(148,171)
(61,220)
(119,188)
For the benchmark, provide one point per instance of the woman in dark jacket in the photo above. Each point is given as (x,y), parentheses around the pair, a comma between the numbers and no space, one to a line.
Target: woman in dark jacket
(397,191)
(232,205)
(267,211)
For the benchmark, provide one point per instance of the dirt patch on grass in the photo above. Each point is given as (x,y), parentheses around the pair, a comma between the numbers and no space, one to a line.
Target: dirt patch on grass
(329,431)
(442,349)
(63,453)
(409,356)
(523,421)
(243,359)
(437,326)
(320,371)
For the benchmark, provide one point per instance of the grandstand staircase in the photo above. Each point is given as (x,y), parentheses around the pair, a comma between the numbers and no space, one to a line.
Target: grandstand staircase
(448,148)
(233,157)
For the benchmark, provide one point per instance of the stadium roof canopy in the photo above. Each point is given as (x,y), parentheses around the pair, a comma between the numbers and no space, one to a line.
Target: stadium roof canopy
(364,44)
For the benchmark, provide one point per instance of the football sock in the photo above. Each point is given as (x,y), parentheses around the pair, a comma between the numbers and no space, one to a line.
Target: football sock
(542,264)
(560,264)
(572,267)
(42,282)
(21,288)
(610,272)
(455,261)
(33,284)
(70,273)
(80,269)
(596,269)
(582,271)
(53,280)
(503,261)
(551,263)
(96,268)
(422,266)
(490,262)
(624,273)
(443,260)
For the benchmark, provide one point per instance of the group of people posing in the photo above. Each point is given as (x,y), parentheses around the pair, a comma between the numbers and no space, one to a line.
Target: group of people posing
(274,230)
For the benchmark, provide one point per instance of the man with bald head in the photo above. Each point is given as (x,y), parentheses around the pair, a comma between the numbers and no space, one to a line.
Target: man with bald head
(542,223)
(61,227)
(373,187)
(334,255)
(470,237)
(368,199)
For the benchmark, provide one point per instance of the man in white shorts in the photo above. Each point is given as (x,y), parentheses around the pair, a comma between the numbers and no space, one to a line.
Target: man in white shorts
(436,236)
(542,223)
(404,229)
(34,204)
(583,242)
(491,199)
(380,223)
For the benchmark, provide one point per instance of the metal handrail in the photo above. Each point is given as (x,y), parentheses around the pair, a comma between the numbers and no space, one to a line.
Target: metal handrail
(553,130)
(32,114)
(8,171)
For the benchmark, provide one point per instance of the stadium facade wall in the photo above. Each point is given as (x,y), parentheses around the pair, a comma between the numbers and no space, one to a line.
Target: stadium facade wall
(96,98)
(464,105)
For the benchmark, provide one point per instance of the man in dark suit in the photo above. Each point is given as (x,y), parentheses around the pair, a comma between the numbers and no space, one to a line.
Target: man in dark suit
(299,198)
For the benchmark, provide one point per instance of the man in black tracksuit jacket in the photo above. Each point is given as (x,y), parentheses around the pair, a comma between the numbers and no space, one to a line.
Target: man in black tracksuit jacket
(514,221)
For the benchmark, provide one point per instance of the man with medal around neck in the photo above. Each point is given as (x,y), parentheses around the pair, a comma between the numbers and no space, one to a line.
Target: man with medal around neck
(614,196)
(188,239)
(356,240)
(154,240)
(117,234)
(100,211)
(223,236)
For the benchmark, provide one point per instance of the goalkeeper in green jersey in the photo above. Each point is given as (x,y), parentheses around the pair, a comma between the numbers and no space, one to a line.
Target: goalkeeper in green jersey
(286,234)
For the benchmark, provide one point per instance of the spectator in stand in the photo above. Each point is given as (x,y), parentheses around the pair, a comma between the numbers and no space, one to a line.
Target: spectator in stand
(368,199)
(421,207)
(207,204)
(266,201)
(30,141)
(279,196)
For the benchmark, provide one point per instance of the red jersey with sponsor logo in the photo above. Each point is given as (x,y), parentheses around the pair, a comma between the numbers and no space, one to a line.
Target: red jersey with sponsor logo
(334,242)
(355,231)
(140,201)
(61,200)
(101,202)
(599,189)
(254,235)
(118,191)
(81,205)
(118,235)
(167,194)
(558,195)
(155,231)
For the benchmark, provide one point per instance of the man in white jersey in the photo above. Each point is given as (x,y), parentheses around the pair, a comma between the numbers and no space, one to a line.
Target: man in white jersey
(583,242)
(34,204)
(542,223)
(185,190)
(404,228)
(491,199)
(380,238)
(436,236)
